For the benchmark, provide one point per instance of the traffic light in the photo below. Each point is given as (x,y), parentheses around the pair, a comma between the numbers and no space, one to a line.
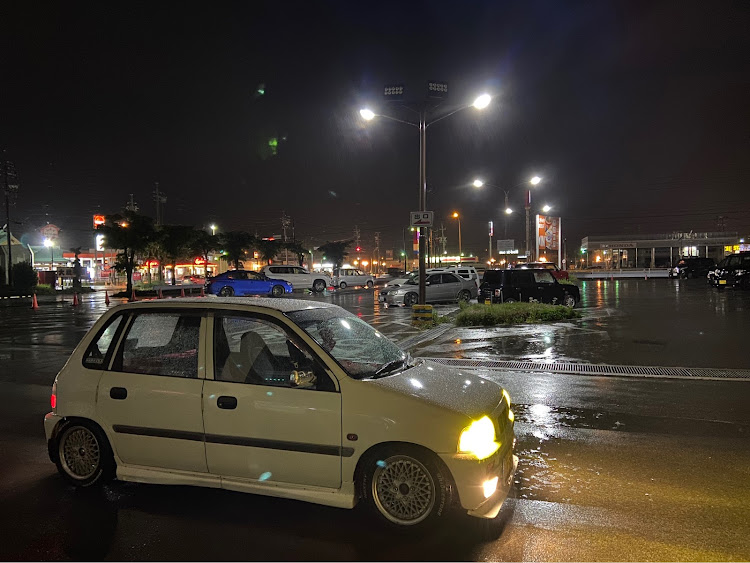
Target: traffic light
(359,248)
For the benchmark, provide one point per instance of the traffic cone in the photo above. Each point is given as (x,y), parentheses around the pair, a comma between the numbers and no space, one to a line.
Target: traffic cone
(34,303)
(75,300)
(160,295)
(132,296)
(106,298)
(203,292)
(182,292)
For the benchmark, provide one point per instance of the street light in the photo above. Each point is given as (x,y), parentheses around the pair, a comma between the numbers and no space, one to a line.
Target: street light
(456,216)
(213,230)
(546,208)
(436,90)
(534,181)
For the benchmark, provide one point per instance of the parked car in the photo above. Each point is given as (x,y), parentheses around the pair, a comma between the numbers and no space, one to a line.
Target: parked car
(466,272)
(299,277)
(197,280)
(510,286)
(692,267)
(242,282)
(280,397)
(345,277)
(440,286)
(733,271)
(551,266)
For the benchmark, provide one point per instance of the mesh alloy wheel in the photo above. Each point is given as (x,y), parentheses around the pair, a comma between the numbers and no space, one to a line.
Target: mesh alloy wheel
(403,490)
(80,452)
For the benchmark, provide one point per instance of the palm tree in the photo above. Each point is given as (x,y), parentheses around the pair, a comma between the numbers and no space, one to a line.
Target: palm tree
(176,241)
(130,233)
(335,251)
(234,244)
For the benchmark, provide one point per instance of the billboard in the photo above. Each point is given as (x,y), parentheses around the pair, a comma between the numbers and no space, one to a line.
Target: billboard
(548,236)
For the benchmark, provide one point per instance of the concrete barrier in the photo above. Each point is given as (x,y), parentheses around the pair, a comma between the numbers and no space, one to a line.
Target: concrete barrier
(622,273)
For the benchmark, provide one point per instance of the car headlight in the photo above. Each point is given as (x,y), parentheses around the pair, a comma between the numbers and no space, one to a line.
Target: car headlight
(478,439)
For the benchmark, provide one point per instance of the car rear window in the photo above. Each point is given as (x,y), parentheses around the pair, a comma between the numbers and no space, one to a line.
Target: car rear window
(493,276)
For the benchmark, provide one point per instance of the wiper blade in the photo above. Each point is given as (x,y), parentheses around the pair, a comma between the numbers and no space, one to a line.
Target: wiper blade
(387,367)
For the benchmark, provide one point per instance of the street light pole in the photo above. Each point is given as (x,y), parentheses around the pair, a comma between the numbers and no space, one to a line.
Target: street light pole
(460,250)
(422,201)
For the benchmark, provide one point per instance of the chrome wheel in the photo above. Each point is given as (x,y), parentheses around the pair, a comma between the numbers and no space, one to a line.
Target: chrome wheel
(410,299)
(569,301)
(342,285)
(403,490)
(80,452)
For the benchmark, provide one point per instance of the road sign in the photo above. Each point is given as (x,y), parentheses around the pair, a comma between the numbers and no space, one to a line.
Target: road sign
(50,231)
(422,218)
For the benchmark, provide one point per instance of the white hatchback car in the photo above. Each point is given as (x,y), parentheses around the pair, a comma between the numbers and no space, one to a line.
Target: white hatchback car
(350,277)
(282,397)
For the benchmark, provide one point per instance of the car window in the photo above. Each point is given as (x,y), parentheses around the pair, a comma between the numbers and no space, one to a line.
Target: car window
(355,345)
(523,277)
(237,275)
(97,354)
(543,276)
(434,279)
(161,344)
(493,276)
(274,269)
(253,276)
(297,270)
(733,261)
(450,278)
(256,351)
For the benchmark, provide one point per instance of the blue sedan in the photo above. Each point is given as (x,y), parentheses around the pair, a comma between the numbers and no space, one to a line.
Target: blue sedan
(241,282)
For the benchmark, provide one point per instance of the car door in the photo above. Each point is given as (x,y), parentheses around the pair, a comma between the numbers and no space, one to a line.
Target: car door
(523,286)
(450,286)
(547,290)
(262,421)
(256,284)
(149,397)
(434,289)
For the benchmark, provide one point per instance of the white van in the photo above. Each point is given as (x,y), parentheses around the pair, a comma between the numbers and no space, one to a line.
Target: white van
(466,272)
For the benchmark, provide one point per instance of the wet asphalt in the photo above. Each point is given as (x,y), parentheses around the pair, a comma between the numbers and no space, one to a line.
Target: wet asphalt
(610,468)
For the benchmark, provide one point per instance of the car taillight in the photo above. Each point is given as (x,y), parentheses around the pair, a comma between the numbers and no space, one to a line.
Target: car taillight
(53,401)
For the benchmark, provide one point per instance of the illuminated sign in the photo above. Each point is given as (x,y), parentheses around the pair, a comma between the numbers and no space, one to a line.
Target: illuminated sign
(100,243)
(98,220)
(200,261)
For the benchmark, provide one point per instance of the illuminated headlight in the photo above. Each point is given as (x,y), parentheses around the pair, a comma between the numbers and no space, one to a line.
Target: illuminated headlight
(740,272)
(478,439)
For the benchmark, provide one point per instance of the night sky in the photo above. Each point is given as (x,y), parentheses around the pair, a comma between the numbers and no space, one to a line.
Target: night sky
(636,114)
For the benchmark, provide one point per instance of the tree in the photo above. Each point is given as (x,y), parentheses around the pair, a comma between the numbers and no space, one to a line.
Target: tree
(297,249)
(175,241)
(24,276)
(76,250)
(234,244)
(268,249)
(203,244)
(335,251)
(129,233)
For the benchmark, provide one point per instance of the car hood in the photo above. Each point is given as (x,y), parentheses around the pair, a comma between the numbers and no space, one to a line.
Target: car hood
(450,388)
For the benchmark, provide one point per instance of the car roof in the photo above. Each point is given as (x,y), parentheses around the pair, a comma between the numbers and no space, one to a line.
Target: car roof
(278,304)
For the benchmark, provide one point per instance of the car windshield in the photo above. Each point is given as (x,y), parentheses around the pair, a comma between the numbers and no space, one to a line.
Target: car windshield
(358,348)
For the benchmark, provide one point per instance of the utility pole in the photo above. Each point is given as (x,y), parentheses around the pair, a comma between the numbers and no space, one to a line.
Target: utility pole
(443,239)
(10,183)
(286,222)
(377,250)
(160,198)
(132,205)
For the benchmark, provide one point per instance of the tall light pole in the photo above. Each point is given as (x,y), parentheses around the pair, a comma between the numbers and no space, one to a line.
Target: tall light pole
(213,230)
(49,244)
(460,251)
(437,91)
(534,181)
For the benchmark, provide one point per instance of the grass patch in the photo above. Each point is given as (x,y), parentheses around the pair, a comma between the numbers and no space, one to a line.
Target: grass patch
(432,323)
(572,280)
(514,313)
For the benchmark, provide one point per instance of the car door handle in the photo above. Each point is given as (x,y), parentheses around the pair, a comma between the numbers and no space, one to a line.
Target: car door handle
(225,402)
(118,393)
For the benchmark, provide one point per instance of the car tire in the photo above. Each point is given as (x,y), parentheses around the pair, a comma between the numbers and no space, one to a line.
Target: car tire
(277,291)
(410,299)
(383,486)
(464,295)
(83,454)
(318,286)
(569,300)
(342,285)
(509,300)
(370,284)
(226,291)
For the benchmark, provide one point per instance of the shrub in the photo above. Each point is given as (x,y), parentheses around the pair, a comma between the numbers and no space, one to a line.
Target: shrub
(24,276)
(572,280)
(44,289)
(514,313)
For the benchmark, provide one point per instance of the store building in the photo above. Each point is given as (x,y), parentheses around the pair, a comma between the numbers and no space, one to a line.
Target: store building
(654,251)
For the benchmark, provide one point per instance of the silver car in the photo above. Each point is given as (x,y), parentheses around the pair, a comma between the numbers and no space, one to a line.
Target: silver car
(349,277)
(441,286)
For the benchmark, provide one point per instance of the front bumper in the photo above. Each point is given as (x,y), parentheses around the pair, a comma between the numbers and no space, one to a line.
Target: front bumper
(470,474)
(394,299)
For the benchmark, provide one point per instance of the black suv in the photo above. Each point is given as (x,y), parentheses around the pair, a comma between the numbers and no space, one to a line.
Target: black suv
(692,267)
(733,271)
(510,286)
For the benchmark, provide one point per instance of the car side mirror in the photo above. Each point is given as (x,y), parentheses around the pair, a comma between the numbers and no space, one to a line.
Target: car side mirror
(302,379)
(427,283)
